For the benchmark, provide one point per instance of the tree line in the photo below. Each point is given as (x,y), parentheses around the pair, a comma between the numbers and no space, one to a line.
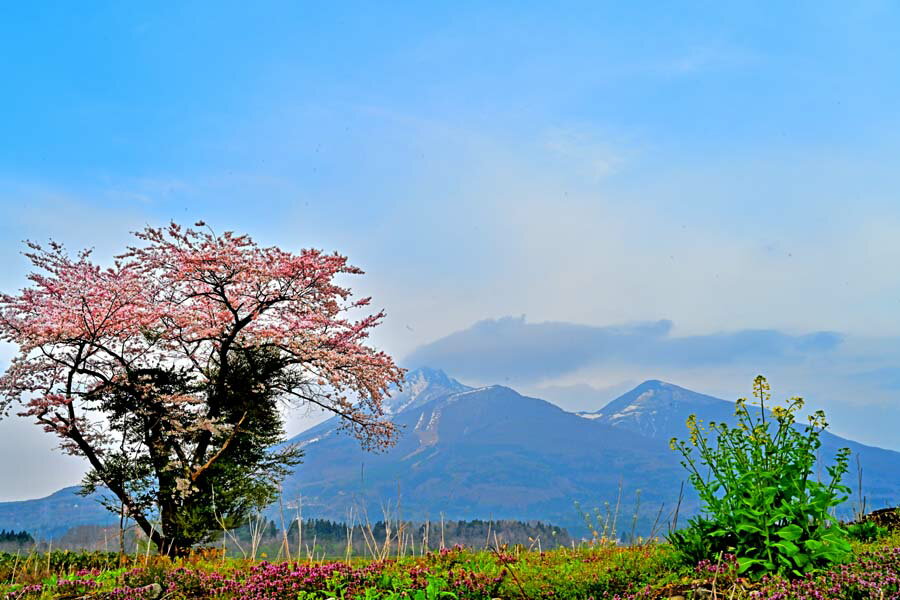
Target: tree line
(15,537)
(323,537)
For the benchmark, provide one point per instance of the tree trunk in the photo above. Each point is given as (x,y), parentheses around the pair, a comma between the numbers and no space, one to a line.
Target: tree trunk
(174,544)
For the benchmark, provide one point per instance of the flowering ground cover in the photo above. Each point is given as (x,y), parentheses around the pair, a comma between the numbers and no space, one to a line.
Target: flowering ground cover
(650,571)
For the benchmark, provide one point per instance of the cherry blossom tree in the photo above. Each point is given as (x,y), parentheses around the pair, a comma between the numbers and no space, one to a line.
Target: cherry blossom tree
(165,370)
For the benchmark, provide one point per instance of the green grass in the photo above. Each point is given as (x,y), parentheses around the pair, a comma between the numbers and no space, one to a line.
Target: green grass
(590,571)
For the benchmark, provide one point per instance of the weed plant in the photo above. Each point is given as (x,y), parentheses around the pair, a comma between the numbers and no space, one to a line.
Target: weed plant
(760,499)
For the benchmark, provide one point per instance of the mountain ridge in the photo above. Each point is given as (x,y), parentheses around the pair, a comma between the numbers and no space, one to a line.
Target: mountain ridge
(490,451)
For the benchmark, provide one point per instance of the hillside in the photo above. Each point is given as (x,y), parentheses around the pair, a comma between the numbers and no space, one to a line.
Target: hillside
(658,410)
(490,452)
(481,453)
(55,514)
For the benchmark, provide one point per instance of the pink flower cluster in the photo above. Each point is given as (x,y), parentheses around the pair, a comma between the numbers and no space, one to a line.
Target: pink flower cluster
(262,581)
(727,565)
(875,575)
(181,298)
(29,590)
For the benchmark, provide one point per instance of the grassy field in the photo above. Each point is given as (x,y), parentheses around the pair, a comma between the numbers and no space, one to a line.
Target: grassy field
(591,571)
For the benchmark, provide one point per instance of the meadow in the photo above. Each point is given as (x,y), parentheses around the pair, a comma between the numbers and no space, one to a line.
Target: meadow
(591,570)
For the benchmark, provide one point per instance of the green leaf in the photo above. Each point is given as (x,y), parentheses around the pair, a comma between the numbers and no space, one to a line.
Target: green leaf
(791,532)
(789,548)
(745,563)
(748,527)
(812,545)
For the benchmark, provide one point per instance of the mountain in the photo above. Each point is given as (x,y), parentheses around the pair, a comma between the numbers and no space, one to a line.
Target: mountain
(53,515)
(658,410)
(478,453)
(420,387)
(491,452)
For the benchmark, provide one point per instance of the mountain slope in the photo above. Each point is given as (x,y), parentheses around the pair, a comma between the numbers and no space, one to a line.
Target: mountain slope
(53,515)
(658,410)
(469,453)
(420,386)
(480,453)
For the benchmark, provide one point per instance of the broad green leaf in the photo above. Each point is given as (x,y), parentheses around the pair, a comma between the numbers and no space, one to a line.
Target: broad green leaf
(791,532)
(745,563)
(748,527)
(789,548)
(812,545)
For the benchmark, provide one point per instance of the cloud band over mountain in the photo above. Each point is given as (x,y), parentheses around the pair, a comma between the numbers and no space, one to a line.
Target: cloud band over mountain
(510,347)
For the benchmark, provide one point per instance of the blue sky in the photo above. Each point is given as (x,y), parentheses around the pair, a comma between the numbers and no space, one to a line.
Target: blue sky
(727,167)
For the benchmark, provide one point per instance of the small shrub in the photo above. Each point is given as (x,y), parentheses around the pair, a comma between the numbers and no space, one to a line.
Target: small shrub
(759,495)
(700,540)
(866,531)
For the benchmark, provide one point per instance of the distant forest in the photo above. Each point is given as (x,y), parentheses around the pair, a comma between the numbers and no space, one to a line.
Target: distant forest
(325,538)
(321,537)
(15,537)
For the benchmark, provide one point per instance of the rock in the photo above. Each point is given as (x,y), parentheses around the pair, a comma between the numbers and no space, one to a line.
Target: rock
(153,591)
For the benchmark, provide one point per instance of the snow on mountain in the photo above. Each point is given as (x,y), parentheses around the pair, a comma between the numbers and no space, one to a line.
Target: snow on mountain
(658,409)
